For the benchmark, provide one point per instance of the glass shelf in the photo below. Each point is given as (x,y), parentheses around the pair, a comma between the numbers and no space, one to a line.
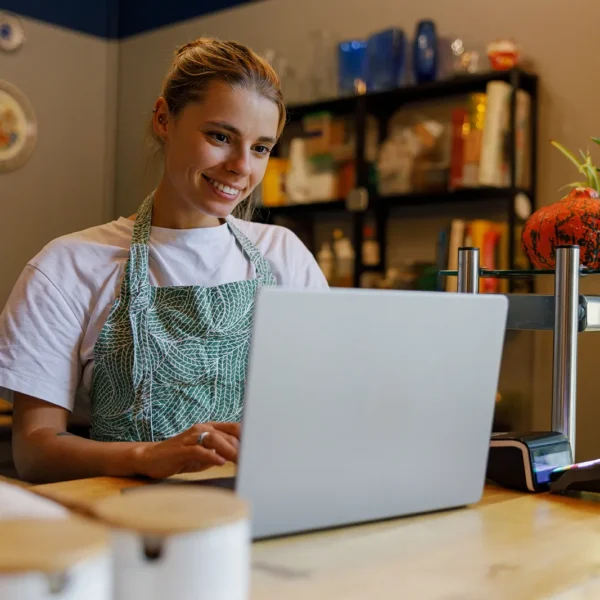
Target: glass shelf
(507,274)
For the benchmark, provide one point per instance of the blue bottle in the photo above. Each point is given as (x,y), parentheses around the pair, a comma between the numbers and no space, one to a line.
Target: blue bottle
(425,52)
(386,55)
(351,66)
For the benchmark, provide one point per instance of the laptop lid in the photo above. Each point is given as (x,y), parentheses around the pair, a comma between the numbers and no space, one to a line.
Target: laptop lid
(364,405)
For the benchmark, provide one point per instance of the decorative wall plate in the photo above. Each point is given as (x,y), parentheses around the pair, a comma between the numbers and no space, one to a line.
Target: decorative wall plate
(18,127)
(12,33)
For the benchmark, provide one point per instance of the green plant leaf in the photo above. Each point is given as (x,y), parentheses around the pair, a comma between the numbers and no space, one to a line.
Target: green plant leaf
(591,173)
(596,140)
(568,154)
(592,176)
(575,184)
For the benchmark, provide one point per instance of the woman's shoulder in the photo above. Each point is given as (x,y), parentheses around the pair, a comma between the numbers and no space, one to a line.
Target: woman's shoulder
(110,233)
(80,263)
(86,246)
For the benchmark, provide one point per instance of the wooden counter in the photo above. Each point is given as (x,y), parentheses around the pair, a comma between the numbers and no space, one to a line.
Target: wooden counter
(509,546)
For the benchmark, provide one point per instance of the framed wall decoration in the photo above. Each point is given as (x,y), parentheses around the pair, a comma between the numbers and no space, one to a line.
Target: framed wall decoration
(18,127)
(12,33)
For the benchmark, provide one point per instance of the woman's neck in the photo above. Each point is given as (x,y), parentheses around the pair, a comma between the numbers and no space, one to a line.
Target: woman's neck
(171,211)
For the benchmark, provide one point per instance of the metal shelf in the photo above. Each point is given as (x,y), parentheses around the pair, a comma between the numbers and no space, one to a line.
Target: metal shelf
(264,213)
(476,194)
(442,88)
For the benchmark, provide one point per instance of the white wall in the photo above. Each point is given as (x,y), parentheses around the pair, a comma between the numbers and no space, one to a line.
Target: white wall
(68,184)
(554,35)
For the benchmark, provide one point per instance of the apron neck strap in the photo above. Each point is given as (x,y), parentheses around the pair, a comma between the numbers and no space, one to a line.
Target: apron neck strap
(138,252)
(264,273)
(138,268)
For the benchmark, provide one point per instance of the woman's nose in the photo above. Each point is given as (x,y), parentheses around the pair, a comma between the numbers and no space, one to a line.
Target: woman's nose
(239,162)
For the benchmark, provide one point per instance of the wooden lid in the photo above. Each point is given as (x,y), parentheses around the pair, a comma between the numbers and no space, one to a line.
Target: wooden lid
(48,545)
(171,509)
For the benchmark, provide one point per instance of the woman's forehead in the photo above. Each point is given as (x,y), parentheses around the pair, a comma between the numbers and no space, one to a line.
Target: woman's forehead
(245,109)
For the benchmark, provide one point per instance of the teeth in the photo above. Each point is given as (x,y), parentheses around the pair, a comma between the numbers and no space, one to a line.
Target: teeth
(224,188)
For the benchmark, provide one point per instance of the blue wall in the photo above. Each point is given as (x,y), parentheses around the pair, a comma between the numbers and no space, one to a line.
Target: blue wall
(115,18)
(137,16)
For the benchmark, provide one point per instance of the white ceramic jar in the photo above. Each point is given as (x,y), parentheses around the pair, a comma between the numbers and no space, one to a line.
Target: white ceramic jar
(54,559)
(178,542)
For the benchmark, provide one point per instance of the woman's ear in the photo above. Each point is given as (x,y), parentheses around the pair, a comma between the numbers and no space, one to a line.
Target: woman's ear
(160,121)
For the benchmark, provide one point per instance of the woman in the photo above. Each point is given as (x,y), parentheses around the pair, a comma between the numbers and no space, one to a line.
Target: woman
(150,317)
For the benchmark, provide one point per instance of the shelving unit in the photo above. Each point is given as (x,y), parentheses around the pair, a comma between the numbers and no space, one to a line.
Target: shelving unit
(383,105)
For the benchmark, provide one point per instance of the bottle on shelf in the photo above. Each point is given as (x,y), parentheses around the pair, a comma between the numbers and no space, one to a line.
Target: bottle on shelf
(344,259)
(425,52)
(370,248)
(371,257)
(326,260)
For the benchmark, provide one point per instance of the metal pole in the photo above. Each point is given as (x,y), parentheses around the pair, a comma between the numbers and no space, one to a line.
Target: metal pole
(468,270)
(564,374)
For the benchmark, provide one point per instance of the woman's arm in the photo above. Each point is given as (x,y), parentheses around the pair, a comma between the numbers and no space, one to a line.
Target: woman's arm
(44,451)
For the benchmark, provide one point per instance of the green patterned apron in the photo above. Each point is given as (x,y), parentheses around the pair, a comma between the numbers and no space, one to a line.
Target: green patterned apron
(170,357)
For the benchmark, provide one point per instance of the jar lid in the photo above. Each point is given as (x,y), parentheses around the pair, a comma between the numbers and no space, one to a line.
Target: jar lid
(49,545)
(170,509)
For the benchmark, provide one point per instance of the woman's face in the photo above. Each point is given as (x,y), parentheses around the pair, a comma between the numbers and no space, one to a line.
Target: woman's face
(217,149)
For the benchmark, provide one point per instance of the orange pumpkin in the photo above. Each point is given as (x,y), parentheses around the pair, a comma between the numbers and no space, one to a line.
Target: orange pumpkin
(573,220)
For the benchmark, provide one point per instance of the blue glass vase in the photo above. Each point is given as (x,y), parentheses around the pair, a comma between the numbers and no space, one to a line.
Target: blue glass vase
(352,66)
(425,52)
(385,62)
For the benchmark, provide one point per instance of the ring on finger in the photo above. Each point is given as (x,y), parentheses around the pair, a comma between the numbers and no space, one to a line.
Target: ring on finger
(202,437)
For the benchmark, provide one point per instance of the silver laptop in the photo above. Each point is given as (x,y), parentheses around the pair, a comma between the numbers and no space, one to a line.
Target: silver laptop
(366,405)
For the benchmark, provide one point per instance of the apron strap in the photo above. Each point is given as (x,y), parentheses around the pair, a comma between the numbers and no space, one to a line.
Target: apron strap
(264,274)
(138,268)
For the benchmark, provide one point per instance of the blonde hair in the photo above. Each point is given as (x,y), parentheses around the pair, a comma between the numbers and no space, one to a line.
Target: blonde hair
(200,62)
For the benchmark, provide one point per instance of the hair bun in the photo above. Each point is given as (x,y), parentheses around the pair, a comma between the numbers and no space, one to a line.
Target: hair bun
(189,46)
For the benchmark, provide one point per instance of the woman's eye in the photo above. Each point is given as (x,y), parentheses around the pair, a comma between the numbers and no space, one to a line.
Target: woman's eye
(262,149)
(220,137)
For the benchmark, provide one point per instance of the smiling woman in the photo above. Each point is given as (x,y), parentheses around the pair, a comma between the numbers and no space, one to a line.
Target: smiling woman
(217,119)
(148,318)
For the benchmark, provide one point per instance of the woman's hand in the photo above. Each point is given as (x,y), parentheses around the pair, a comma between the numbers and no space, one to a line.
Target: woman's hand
(183,454)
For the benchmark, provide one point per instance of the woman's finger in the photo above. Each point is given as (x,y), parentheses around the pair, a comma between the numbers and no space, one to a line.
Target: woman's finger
(232,440)
(229,428)
(221,445)
(192,435)
(204,455)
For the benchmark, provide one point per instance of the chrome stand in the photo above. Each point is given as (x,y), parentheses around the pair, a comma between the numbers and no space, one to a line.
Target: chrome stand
(566,314)
(468,270)
(566,320)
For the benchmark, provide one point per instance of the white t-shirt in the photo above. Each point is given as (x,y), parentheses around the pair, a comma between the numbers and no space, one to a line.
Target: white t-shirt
(60,302)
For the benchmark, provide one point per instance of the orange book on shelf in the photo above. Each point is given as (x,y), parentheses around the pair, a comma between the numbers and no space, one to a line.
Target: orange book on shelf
(473,132)
(459,132)
(456,239)
(502,256)
(485,235)
(273,183)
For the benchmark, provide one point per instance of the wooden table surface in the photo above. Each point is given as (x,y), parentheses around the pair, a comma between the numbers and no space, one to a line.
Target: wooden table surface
(509,546)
